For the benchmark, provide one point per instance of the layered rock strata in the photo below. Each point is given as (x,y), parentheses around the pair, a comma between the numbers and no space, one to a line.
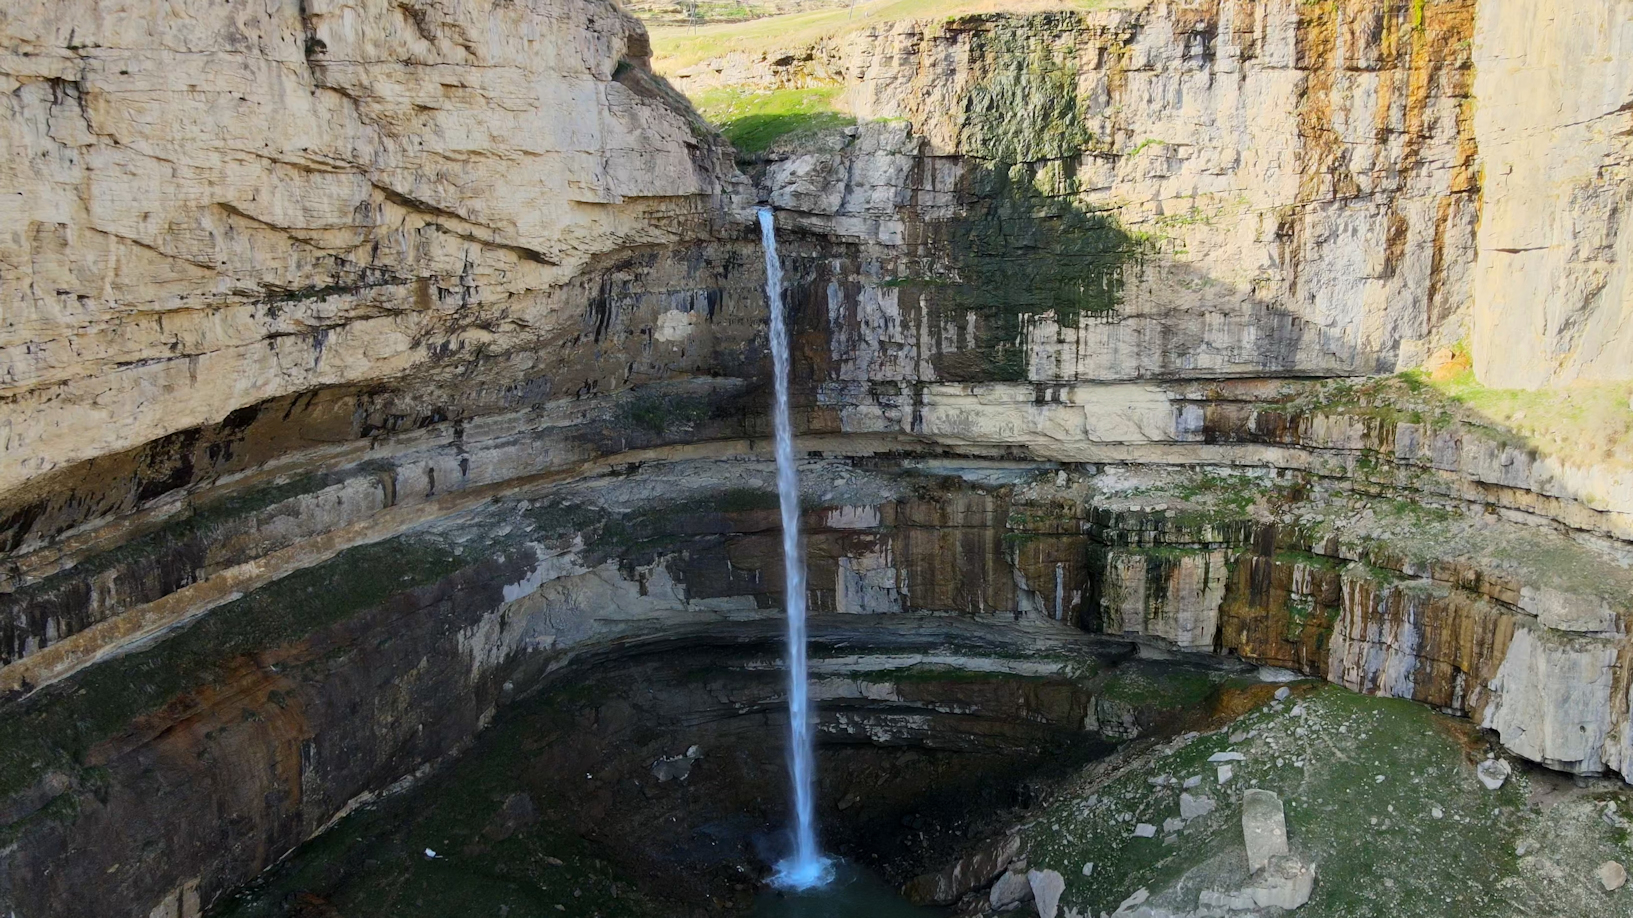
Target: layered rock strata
(360,358)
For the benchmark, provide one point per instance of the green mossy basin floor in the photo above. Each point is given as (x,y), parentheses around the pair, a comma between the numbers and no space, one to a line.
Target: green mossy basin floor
(1381,794)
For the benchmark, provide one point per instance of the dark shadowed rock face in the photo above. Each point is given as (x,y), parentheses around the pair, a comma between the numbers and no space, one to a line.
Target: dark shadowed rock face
(575,793)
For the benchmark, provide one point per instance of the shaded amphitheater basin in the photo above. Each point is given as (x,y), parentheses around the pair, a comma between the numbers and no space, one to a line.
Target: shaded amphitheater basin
(649,779)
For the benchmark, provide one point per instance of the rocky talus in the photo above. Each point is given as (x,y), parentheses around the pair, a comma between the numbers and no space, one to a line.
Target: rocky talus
(364,364)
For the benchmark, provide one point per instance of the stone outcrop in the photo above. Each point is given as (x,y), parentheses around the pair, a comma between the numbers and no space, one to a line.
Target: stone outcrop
(265,202)
(1178,190)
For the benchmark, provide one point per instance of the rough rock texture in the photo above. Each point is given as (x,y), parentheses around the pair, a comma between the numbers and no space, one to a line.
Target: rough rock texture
(1180,190)
(217,204)
(1554,278)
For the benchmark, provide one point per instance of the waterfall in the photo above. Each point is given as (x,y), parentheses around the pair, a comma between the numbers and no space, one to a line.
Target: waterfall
(805,867)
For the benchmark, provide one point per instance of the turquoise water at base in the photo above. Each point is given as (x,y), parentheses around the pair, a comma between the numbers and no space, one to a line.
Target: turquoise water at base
(854,893)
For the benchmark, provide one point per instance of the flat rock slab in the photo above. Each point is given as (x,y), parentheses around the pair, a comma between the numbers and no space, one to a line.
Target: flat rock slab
(1612,876)
(1264,828)
(1193,807)
(1047,885)
(1012,889)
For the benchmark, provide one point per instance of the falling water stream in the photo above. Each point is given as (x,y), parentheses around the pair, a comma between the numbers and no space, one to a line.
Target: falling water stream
(805,867)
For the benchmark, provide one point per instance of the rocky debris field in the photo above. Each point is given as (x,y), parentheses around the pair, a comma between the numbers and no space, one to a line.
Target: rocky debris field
(1332,803)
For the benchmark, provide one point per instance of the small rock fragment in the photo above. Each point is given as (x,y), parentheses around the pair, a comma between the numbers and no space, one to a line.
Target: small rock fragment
(1227,757)
(1282,693)
(1012,889)
(1193,807)
(1193,781)
(1088,869)
(1612,876)
(1132,902)
(1224,773)
(1172,825)
(1493,772)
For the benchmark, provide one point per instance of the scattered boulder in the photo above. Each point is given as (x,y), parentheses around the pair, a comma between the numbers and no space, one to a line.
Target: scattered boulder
(1282,693)
(1193,781)
(1227,757)
(517,813)
(1088,869)
(1047,885)
(1225,771)
(1145,830)
(1191,807)
(1010,891)
(1611,875)
(1172,825)
(1287,882)
(1493,773)
(974,870)
(1264,828)
(676,767)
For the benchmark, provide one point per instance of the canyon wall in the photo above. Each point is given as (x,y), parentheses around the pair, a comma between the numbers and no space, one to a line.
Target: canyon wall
(359,357)
(1554,270)
(214,205)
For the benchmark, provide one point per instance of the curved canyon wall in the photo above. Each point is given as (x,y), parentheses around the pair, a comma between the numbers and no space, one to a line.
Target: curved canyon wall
(366,361)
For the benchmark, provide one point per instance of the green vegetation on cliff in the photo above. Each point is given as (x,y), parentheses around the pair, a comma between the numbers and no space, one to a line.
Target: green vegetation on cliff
(753,121)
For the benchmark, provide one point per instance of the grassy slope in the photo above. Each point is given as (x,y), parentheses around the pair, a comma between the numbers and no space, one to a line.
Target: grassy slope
(1587,422)
(675,47)
(683,12)
(1380,849)
(752,121)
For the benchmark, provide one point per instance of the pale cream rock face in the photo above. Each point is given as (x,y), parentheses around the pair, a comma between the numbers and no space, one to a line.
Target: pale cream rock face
(1552,700)
(1300,207)
(1554,276)
(226,202)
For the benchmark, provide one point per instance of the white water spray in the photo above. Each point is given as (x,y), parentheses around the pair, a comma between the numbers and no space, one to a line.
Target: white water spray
(805,867)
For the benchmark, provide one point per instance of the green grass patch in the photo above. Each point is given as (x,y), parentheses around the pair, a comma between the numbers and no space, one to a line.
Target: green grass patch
(753,121)
(1379,848)
(1166,689)
(1587,422)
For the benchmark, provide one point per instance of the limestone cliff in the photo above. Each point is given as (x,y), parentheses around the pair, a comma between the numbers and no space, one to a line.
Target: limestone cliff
(218,204)
(362,362)
(1554,270)
(1181,190)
